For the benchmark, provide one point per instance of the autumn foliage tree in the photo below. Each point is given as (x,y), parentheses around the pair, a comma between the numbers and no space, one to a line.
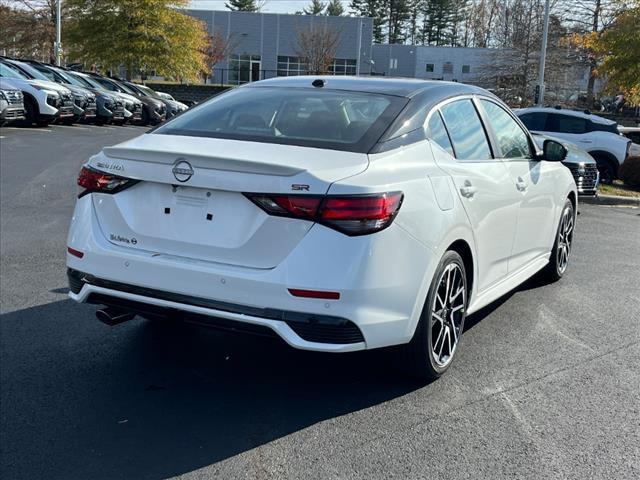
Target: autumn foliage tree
(217,49)
(617,53)
(139,34)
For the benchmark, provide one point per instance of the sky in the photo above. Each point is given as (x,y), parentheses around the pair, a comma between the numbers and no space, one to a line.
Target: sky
(271,6)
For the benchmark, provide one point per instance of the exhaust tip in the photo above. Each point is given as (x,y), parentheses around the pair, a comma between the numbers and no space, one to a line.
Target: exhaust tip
(112,316)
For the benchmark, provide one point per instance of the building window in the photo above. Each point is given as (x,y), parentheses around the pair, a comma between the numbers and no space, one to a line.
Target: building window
(466,68)
(447,67)
(244,69)
(393,63)
(343,66)
(292,66)
(430,67)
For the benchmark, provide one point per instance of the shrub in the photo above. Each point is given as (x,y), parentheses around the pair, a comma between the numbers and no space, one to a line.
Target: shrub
(630,172)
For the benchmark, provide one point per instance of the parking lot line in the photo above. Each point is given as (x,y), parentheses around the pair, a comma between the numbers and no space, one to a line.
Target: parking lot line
(28,129)
(75,127)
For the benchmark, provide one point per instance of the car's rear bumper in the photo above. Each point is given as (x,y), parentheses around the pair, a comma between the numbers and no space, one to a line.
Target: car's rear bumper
(380,279)
(299,329)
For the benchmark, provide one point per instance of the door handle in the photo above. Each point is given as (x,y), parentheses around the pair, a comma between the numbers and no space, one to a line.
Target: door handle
(468,190)
(521,185)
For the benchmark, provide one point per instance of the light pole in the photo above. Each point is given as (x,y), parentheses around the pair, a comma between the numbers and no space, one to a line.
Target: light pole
(543,56)
(58,47)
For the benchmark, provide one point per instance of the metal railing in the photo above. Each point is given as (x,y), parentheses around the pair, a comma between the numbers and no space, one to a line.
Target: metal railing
(230,76)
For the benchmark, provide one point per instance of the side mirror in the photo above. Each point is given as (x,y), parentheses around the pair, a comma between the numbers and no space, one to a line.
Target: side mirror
(554,151)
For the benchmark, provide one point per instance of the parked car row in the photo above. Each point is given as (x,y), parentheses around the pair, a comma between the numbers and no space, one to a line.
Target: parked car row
(48,94)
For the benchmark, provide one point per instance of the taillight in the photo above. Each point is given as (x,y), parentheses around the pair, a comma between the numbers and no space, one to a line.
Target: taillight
(96,181)
(350,214)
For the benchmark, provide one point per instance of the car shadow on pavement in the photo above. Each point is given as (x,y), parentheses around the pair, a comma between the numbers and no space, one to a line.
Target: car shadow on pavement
(152,400)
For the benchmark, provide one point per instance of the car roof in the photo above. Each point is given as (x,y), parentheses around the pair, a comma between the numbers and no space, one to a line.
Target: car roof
(573,113)
(401,87)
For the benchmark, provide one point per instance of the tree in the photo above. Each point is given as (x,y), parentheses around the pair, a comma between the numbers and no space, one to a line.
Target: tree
(318,45)
(335,8)
(217,49)
(374,9)
(145,34)
(397,16)
(29,28)
(243,6)
(591,16)
(316,7)
(616,53)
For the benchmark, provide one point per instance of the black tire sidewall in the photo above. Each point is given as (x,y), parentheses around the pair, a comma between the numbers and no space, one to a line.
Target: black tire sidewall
(553,261)
(425,365)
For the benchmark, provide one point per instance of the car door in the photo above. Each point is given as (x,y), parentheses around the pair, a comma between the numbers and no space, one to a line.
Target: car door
(482,182)
(530,179)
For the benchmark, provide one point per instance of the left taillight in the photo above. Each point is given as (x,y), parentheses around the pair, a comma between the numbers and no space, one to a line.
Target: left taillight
(349,214)
(91,180)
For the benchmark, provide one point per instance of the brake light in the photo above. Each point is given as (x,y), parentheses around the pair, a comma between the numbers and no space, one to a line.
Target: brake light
(350,214)
(96,181)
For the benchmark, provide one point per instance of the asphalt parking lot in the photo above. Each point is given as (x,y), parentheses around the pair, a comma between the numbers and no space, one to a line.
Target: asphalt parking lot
(546,385)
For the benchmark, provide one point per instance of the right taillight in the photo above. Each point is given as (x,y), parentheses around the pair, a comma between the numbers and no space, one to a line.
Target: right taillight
(96,181)
(350,214)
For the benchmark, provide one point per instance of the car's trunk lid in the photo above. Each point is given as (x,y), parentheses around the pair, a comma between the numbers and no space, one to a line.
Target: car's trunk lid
(204,215)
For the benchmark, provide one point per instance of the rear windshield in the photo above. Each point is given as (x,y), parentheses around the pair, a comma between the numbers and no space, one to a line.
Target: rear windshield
(336,120)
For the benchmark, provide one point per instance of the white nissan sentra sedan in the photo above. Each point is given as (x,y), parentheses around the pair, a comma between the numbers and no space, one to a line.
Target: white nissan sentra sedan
(339,213)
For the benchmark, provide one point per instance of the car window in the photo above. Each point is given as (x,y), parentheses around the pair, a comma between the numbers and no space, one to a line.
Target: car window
(350,121)
(534,121)
(8,72)
(437,132)
(603,127)
(467,133)
(512,140)
(566,124)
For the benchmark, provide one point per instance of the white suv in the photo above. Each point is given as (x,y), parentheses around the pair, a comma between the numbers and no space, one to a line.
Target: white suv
(339,213)
(596,135)
(44,101)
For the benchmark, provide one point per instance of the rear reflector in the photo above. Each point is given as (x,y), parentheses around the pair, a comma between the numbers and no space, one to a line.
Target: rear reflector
(74,252)
(350,214)
(314,294)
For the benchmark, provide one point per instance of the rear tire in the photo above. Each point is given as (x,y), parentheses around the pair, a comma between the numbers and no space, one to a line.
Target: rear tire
(561,251)
(606,168)
(437,337)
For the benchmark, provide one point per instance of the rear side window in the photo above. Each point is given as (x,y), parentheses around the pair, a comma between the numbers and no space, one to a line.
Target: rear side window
(339,120)
(534,121)
(566,124)
(512,140)
(602,127)
(467,133)
(437,132)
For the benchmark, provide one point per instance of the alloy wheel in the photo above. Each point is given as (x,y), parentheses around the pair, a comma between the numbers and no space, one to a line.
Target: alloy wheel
(447,315)
(565,237)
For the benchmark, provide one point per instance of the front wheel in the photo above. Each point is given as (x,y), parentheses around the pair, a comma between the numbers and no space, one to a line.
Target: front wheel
(561,251)
(435,342)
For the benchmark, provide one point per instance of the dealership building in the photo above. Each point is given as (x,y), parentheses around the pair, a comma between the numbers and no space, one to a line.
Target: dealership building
(456,64)
(265,45)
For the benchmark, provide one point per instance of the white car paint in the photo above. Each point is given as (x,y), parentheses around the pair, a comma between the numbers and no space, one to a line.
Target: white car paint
(592,142)
(246,257)
(38,90)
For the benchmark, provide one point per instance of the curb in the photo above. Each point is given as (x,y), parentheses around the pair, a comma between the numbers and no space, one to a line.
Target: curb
(611,200)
